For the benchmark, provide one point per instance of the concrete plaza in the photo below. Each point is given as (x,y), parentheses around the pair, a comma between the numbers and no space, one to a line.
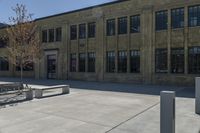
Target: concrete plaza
(93,107)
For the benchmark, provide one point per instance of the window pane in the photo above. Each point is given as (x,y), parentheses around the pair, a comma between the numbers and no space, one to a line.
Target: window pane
(122,25)
(111,27)
(58,34)
(73,32)
(91,30)
(51,35)
(4,64)
(135,24)
(82,62)
(44,36)
(161,61)
(122,62)
(135,61)
(91,62)
(73,62)
(177,60)
(194,16)
(194,60)
(177,18)
(110,64)
(82,31)
(161,20)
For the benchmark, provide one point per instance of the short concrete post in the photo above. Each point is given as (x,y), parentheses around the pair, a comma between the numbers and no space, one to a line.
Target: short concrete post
(38,93)
(197,95)
(167,112)
(65,90)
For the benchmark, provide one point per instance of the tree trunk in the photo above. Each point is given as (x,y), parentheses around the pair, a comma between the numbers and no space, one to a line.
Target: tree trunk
(21,73)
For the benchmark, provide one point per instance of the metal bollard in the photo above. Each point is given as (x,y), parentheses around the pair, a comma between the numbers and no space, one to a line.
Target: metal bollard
(167,112)
(197,95)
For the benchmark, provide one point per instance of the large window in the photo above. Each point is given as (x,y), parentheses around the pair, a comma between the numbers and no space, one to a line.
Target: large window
(122,61)
(122,25)
(82,62)
(161,20)
(73,32)
(110,27)
(73,62)
(110,64)
(82,31)
(44,36)
(194,60)
(51,35)
(91,30)
(91,62)
(177,60)
(161,61)
(4,64)
(194,16)
(135,24)
(135,61)
(28,67)
(59,34)
(177,18)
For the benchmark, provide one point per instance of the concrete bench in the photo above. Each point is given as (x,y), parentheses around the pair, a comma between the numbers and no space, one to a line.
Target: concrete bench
(39,91)
(11,87)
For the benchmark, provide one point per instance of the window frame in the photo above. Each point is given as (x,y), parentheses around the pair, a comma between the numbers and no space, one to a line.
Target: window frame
(135,60)
(82,62)
(190,19)
(82,31)
(174,56)
(122,25)
(58,34)
(110,62)
(73,59)
(165,63)
(122,61)
(51,36)
(161,20)
(178,19)
(135,23)
(91,30)
(111,25)
(91,62)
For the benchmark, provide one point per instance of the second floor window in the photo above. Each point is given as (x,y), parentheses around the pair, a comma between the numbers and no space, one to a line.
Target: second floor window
(161,61)
(51,35)
(91,30)
(110,62)
(177,60)
(110,27)
(59,34)
(73,62)
(82,62)
(161,20)
(122,62)
(44,36)
(91,62)
(135,24)
(122,25)
(73,32)
(82,31)
(4,64)
(194,16)
(177,18)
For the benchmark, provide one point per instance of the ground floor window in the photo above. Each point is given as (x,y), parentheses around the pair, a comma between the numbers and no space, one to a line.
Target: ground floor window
(161,61)
(122,61)
(91,62)
(194,60)
(135,61)
(110,62)
(4,64)
(82,62)
(177,60)
(73,62)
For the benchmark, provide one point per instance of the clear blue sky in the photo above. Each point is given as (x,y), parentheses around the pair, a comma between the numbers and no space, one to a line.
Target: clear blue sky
(42,8)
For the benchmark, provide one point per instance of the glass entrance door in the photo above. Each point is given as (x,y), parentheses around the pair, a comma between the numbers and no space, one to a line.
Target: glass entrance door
(51,66)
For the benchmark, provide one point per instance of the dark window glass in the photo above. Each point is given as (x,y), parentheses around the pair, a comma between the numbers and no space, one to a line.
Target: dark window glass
(91,62)
(122,61)
(4,64)
(194,16)
(3,42)
(110,27)
(28,67)
(59,34)
(73,32)
(82,31)
(82,62)
(161,20)
(161,61)
(44,36)
(177,60)
(110,64)
(122,25)
(91,30)
(177,18)
(51,35)
(135,61)
(135,24)
(73,62)
(194,60)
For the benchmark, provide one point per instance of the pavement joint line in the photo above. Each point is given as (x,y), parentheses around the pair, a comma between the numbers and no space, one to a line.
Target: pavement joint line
(133,117)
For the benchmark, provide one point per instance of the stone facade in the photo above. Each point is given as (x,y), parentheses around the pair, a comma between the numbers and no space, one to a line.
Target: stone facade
(146,41)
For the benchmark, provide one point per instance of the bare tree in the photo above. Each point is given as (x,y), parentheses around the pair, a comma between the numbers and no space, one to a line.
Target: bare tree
(24,47)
